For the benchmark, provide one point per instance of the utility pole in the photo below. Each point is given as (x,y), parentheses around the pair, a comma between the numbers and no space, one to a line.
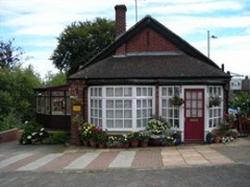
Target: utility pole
(136,12)
(208,42)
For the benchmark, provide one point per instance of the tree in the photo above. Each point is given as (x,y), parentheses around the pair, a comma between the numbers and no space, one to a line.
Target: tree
(80,41)
(9,55)
(55,79)
(16,92)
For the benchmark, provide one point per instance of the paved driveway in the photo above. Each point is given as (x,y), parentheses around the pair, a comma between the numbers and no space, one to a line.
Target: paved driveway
(14,157)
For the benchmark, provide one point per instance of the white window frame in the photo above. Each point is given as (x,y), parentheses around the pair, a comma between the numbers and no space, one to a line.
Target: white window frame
(134,107)
(161,97)
(221,107)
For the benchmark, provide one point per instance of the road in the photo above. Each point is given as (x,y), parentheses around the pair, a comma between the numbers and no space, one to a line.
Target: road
(237,175)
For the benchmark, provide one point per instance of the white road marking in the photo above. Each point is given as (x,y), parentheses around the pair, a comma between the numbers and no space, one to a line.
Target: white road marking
(13,159)
(40,162)
(123,160)
(83,161)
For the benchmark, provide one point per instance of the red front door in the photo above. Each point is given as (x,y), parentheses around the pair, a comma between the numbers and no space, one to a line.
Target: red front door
(194,114)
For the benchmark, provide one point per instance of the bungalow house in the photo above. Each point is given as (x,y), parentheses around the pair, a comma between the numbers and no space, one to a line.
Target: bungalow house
(135,77)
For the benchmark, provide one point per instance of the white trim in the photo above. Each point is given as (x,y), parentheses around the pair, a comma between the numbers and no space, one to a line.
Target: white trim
(133,98)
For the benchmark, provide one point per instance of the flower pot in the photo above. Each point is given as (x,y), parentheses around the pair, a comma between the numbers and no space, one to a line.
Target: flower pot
(144,143)
(101,145)
(85,142)
(92,143)
(155,142)
(125,145)
(217,139)
(134,143)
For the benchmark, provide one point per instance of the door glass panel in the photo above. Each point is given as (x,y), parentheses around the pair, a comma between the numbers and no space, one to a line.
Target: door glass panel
(199,104)
(188,113)
(188,104)
(194,95)
(194,111)
(199,95)
(188,95)
(199,112)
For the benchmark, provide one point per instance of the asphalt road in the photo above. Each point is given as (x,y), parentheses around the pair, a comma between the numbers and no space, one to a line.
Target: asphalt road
(237,175)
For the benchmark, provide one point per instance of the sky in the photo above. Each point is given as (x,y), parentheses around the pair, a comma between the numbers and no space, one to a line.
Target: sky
(36,24)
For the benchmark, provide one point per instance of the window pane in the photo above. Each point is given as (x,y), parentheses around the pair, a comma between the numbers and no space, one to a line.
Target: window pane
(149,113)
(118,123)
(210,123)
(170,91)
(199,104)
(128,114)
(199,112)
(150,103)
(118,104)
(138,91)
(176,113)
(110,123)
(194,104)
(176,90)
(144,103)
(176,123)
(110,114)
(118,92)
(110,104)
(100,92)
(170,113)
(138,124)
(194,95)
(144,91)
(145,122)
(144,113)
(127,123)
(164,103)
(127,92)
(128,104)
(109,92)
(199,95)
(164,112)
(150,92)
(138,113)
(188,95)
(138,103)
(164,92)
(118,114)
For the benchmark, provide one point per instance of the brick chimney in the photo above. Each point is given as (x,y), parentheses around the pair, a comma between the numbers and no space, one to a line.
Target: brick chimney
(120,19)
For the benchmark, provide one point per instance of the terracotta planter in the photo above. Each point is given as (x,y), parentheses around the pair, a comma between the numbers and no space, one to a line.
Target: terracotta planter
(144,143)
(126,145)
(92,143)
(85,142)
(134,143)
(217,139)
(155,142)
(101,145)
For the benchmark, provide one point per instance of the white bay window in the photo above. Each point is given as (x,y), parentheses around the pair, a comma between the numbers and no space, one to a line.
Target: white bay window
(121,107)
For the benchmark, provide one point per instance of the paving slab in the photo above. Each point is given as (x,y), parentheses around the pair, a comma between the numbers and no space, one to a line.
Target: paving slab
(123,160)
(13,159)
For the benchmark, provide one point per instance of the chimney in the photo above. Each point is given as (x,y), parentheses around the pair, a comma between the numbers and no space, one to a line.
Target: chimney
(120,19)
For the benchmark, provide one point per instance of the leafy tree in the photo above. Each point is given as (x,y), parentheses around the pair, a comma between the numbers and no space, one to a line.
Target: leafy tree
(16,93)
(80,41)
(242,100)
(9,55)
(55,79)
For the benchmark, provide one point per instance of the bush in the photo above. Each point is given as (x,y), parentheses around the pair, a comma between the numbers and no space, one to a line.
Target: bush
(242,100)
(8,122)
(57,137)
(32,133)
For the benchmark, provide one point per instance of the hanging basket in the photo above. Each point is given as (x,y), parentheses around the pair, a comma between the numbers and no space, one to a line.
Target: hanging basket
(176,101)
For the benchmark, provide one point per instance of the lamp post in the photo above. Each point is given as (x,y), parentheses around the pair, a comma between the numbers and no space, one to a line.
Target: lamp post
(208,42)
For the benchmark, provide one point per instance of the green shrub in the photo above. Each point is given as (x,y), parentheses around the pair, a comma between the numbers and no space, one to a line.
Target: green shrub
(57,137)
(8,122)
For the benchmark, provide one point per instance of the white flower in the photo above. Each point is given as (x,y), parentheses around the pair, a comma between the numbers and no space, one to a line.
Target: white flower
(29,137)
(34,133)
(42,129)
(40,133)
(26,122)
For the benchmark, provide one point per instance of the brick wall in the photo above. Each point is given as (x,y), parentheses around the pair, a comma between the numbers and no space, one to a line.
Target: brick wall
(146,41)
(10,135)
(78,90)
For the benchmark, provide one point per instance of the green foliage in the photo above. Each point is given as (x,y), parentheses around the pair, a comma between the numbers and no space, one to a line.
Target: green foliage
(55,79)
(214,101)
(176,101)
(80,41)
(57,137)
(16,93)
(242,100)
(31,132)
(157,127)
(9,122)
(9,55)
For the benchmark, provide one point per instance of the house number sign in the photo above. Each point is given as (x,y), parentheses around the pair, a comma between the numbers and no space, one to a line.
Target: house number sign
(76,108)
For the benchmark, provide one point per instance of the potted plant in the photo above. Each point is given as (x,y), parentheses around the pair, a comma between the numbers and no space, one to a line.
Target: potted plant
(133,139)
(177,138)
(86,133)
(214,101)
(144,138)
(176,101)
(124,141)
(100,138)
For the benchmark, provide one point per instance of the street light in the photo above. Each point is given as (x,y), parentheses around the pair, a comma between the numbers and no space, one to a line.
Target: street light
(208,42)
